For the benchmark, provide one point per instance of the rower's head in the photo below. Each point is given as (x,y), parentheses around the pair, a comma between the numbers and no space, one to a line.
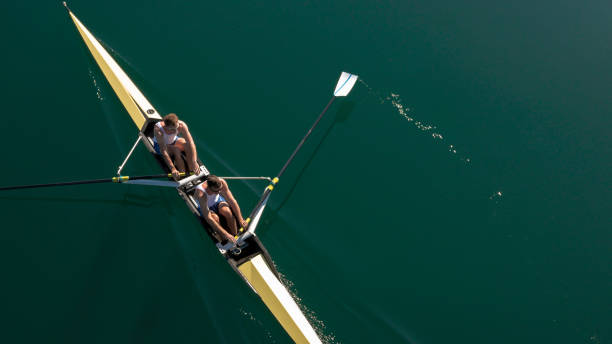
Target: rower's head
(171,121)
(213,183)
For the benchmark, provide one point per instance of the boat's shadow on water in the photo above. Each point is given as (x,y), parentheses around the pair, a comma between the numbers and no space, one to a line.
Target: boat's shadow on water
(341,116)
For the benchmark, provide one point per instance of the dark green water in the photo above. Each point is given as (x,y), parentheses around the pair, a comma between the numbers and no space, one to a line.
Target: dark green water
(462,194)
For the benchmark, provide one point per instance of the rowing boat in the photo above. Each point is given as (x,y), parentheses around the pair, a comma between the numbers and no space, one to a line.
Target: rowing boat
(248,257)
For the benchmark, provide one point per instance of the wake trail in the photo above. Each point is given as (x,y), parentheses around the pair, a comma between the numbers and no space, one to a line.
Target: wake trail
(403,110)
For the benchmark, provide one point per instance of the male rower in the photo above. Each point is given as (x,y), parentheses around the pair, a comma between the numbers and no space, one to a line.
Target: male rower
(171,146)
(216,202)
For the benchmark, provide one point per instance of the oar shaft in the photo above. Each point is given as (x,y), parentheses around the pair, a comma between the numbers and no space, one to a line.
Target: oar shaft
(305,137)
(343,87)
(153,176)
(275,180)
(248,178)
(78,182)
(91,181)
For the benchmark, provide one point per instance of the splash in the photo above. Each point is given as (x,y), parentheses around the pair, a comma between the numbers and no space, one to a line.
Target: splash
(496,197)
(96,86)
(107,112)
(317,324)
(396,101)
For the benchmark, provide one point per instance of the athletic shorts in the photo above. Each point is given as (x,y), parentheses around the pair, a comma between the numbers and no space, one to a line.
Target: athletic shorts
(156,146)
(215,207)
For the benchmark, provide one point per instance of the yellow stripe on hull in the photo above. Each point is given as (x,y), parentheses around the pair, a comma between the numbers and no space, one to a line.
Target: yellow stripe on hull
(278,300)
(132,99)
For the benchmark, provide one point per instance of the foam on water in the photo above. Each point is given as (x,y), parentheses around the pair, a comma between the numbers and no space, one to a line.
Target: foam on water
(496,197)
(318,325)
(95,83)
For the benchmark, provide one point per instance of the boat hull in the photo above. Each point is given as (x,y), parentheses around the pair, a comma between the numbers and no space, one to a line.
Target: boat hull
(252,262)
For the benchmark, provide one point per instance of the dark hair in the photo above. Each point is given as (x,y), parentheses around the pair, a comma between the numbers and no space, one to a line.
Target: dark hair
(214,182)
(171,119)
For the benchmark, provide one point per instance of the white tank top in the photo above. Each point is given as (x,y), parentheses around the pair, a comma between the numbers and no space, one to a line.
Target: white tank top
(211,200)
(168,138)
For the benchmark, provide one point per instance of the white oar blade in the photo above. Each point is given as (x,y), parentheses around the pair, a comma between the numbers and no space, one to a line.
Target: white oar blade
(345,84)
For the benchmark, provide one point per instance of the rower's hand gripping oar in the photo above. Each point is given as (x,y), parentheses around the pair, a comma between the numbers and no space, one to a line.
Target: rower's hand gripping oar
(343,87)
(121,179)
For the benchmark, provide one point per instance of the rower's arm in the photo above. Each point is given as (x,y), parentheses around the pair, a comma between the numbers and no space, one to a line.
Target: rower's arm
(206,214)
(189,140)
(163,148)
(229,197)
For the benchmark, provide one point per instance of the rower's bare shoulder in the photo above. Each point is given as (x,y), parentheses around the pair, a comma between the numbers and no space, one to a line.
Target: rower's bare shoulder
(183,125)
(225,190)
(159,136)
(201,194)
(224,184)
